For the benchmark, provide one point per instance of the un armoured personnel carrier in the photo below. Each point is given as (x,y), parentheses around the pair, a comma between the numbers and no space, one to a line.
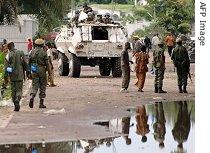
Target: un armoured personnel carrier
(90,45)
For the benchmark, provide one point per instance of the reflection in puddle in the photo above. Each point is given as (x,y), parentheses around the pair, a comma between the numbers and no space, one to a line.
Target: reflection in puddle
(158,128)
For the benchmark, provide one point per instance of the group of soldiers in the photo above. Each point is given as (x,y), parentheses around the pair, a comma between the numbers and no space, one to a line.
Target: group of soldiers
(35,68)
(179,56)
(91,16)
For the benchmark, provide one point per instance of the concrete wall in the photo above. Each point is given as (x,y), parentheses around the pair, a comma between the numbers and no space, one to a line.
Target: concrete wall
(19,34)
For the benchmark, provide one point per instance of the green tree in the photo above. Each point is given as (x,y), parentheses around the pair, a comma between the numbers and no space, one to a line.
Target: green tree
(174,15)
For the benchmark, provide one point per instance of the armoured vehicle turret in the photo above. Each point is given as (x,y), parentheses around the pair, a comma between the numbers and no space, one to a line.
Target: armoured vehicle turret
(90,44)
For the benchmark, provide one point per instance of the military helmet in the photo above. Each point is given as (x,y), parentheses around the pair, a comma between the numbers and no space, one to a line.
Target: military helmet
(178,40)
(77,12)
(90,14)
(39,41)
(107,14)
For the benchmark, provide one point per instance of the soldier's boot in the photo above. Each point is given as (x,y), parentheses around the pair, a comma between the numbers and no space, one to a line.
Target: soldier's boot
(17,106)
(160,90)
(180,89)
(185,89)
(41,104)
(156,89)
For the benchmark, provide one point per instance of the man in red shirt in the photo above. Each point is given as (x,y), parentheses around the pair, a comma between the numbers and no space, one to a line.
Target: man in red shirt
(30,44)
(169,40)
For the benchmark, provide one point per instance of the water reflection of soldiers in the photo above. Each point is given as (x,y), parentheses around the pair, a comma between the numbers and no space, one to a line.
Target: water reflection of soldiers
(142,128)
(159,125)
(182,126)
(125,129)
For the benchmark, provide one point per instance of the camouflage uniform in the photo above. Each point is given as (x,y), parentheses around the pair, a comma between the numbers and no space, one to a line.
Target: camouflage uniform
(17,61)
(125,69)
(159,64)
(181,61)
(39,79)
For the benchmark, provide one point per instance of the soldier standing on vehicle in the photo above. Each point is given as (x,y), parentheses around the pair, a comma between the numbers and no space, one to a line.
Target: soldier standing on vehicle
(159,64)
(107,19)
(181,61)
(125,66)
(16,66)
(87,8)
(90,18)
(99,18)
(75,19)
(38,61)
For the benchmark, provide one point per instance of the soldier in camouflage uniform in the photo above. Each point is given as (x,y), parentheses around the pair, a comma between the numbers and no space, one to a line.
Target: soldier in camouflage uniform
(181,61)
(159,64)
(15,66)
(125,66)
(38,61)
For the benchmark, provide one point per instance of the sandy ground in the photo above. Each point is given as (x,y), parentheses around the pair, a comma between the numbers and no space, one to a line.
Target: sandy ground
(85,100)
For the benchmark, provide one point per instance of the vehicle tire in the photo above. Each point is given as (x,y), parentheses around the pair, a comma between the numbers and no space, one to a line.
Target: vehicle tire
(105,69)
(74,66)
(116,67)
(63,65)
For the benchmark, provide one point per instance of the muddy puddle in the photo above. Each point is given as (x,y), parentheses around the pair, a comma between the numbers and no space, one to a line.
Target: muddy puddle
(155,128)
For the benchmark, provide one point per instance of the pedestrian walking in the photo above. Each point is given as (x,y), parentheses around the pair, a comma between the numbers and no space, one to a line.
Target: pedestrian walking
(181,61)
(30,44)
(16,66)
(155,41)
(142,59)
(39,64)
(169,40)
(50,77)
(159,65)
(125,66)
(147,43)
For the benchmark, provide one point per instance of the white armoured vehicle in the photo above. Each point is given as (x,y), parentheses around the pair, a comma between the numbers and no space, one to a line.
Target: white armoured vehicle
(90,44)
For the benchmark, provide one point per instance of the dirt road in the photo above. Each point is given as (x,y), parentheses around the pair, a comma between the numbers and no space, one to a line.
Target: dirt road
(85,100)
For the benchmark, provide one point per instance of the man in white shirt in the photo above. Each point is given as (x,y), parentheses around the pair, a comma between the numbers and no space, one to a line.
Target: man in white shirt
(50,59)
(155,42)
